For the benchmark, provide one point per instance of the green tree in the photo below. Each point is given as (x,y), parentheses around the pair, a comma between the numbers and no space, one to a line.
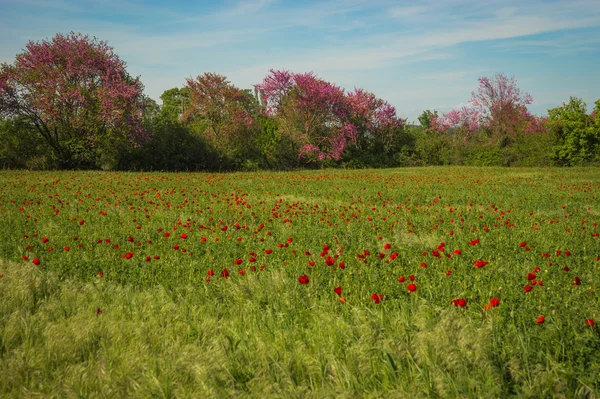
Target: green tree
(576,134)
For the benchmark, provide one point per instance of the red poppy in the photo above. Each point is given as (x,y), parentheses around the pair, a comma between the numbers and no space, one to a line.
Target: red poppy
(342,265)
(474,242)
(36,261)
(303,279)
(329,261)
(540,320)
(210,272)
(531,276)
(401,279)
(411,287)
(184,236)
(225,274)
(148,259)
(338,290)
(527,288)
(411,277)
(44,240)
(494,302)
(268,251)
(237,262)
(462,302)
(449,272)
(376,298)
(100,274)
(480,263)
(577,281)
(423,265)
(242,272)
(590,322)
(457,252)
(523,244)
(387,246)
(98,311)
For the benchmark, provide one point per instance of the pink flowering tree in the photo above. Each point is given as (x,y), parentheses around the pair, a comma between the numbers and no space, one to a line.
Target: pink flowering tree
(322,120)
(311,112)
(375,120)
(75,92)
(497,108)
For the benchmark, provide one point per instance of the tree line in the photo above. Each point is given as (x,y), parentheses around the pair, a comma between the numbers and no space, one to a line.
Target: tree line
(69,103)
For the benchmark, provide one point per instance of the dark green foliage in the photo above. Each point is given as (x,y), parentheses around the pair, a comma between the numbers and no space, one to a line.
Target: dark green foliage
(576,134)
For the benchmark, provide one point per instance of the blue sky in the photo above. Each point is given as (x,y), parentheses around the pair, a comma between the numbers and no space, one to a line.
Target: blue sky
(415,54)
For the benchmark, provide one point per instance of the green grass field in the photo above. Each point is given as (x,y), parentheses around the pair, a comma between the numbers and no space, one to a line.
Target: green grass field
(431,282)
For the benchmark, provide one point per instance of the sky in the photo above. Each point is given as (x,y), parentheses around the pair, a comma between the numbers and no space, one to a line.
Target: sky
(416,55)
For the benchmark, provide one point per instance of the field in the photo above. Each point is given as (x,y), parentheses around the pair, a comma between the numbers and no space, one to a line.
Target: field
(431,282)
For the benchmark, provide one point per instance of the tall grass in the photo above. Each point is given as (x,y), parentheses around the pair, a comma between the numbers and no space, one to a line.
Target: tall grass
(163,331)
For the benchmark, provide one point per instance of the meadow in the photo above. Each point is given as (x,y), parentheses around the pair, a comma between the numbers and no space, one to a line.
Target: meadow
(423,282)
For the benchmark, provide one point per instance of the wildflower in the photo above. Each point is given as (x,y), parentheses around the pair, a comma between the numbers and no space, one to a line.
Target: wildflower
(461,302)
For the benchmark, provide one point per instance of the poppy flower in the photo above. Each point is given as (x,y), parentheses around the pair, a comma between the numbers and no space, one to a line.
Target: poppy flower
(36,262)
(461,302)
(480,263)
(494,302)
(268,251)
(184,236)
(527,288)
(449,272)
(44,240)
(100,274)
(590,322)
(98,311)
(531,276)
(523,244)
(303,279)
(540,320)
(225,274)
(411,287)
(577,281)
(423,265)
(457,252)
(342,299)
(411,277)
(342,265)
(376,298)
(387,246)
(338,290)
(237,262)
(401,279)
(210,272)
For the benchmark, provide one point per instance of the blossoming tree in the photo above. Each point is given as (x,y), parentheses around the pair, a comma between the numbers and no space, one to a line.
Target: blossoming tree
(76,93)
